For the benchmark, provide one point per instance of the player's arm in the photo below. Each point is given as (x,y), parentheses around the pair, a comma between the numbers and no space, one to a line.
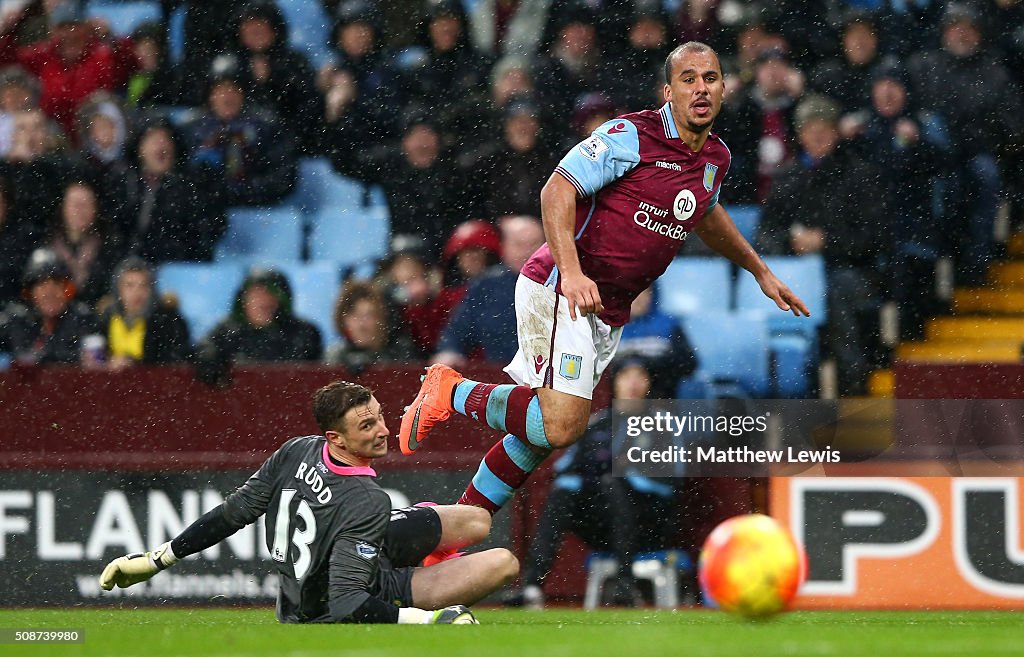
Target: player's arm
(558,214)
(241,508)
(608,154)
(718,231)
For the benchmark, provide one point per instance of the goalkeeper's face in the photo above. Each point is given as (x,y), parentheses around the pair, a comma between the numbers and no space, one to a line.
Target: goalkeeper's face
(364,435)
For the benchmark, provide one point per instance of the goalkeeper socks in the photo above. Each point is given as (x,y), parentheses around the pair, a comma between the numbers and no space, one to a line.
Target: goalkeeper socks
(506,467)
(508,408)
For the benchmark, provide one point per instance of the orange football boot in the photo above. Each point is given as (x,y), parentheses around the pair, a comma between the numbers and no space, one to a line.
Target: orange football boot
(433,404)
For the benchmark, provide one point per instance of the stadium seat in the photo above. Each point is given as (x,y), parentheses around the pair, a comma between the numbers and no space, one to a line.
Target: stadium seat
(349,235)
(309,28)
(124,17)
(731,348)
(176,35)
(793,340)
(746,218)
(205,291)
(660,568)
(273,233)
(805,275)
(695,284)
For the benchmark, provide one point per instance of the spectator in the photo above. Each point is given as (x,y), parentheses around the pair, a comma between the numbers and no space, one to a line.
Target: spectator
(397,21)
(72,64)
(417,181)
(590,112)
(643,60)
(509,174)
(279,78)
(139,328)
(164,212)
(102,132)
(697,20)
(473,247)
(155,83)
(16,242)
(818,206)
(209,31)
(361,68)
(411,288)
(847,78)
(50,325)
(509,27)
(479,326)
(913,144)
(249,153)
(19,91)
(659,342)
(260,328)
(37,167)
(361,318)
(624,515)
(451,69)
(962,81)
(909,27)
(572,66)
(758,125)
(84,242)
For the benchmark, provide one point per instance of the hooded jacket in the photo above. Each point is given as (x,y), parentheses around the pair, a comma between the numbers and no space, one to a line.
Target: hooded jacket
(286,338)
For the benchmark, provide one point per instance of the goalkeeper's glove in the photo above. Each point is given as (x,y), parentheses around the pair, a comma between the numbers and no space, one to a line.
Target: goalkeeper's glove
(453,615)
(138,567)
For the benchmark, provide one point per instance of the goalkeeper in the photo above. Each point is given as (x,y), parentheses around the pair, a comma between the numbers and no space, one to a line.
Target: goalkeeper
(341,554)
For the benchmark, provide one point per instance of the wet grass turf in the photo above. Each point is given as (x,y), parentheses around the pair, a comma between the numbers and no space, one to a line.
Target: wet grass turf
(564,633)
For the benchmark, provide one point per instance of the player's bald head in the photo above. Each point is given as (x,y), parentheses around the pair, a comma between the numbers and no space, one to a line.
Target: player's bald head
(685,49)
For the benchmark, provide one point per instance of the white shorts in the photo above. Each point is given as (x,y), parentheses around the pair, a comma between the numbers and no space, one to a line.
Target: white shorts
(555,351)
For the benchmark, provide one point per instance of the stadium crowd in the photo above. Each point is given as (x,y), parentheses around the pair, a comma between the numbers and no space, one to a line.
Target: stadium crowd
(882,134)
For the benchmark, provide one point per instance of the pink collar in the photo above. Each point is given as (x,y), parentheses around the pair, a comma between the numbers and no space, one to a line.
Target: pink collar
(348,471)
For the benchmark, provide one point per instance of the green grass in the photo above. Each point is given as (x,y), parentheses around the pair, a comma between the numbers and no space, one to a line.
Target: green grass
(562,633)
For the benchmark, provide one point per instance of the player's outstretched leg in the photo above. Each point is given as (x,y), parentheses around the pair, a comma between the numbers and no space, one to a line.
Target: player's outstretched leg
(508,408)
(504,469)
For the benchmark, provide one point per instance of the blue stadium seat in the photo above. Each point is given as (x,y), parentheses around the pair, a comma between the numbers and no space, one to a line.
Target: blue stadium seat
(272,233)
(309,28)
(731,348)
(205,291)
(124,17)
(349,235)
(746,218)
(805,275)
(176,35)
(315,286)
(694,284)
(793,340)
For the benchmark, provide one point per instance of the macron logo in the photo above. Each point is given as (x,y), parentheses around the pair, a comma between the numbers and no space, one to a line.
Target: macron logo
(617,128)
(666,165)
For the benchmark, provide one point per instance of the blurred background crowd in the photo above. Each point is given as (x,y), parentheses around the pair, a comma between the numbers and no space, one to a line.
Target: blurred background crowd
(882,135)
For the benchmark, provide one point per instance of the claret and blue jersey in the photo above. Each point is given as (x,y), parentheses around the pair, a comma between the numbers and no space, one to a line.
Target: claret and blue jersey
(643,190)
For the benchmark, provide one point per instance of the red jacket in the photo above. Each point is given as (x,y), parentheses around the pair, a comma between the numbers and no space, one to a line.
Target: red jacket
(66,85)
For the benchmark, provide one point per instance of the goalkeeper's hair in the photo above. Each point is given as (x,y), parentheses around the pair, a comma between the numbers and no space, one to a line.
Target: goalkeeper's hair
(331,402)
(689,46)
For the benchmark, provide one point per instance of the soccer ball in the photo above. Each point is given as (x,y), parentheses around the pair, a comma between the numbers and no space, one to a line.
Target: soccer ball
(750,565)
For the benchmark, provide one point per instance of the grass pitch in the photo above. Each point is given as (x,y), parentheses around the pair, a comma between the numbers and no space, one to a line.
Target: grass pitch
(561,633)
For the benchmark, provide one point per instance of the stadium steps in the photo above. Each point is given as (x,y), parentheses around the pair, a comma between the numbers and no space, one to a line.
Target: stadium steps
(975,328)
(958,351)
(987,300)
(1007,274)
(882,384)
(1015,245)
(987,325)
